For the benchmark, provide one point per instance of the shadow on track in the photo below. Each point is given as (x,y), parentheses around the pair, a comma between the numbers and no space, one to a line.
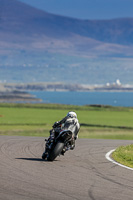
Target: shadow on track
(32,159)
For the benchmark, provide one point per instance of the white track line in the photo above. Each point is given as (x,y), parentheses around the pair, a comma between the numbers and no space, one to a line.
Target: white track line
(107,156)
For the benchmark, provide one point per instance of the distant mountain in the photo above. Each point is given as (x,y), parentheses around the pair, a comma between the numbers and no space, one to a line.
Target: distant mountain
(27,33)
(26,25)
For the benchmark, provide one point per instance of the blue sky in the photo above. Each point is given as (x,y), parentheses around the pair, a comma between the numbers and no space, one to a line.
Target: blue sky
(86,9)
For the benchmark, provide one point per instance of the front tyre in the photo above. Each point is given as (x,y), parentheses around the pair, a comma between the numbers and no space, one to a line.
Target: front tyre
(56,151)
(44,155)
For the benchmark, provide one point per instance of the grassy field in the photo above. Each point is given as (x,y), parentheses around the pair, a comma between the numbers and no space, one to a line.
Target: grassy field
(124,155)
(37,119)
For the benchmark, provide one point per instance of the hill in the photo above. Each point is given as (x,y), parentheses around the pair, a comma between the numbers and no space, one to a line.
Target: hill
(33,38)
(26,25)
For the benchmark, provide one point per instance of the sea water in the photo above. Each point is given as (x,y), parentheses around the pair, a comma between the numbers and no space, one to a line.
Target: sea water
(86,98)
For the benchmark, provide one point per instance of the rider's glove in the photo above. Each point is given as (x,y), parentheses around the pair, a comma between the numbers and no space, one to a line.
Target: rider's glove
(55,124)
(76,137)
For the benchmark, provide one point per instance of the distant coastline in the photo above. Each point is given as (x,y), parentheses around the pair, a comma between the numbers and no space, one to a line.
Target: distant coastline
(59,86)
(17,96)
(13,92)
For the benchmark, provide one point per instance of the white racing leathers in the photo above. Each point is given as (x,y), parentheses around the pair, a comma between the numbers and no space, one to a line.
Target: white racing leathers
(72,124)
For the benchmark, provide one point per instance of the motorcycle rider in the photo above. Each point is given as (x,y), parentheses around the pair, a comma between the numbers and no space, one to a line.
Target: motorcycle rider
(69,122)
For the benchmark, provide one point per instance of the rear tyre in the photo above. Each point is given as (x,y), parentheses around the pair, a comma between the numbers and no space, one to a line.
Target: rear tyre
(56,151)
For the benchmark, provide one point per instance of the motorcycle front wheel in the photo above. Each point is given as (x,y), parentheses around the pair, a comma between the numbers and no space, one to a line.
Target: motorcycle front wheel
(55,151)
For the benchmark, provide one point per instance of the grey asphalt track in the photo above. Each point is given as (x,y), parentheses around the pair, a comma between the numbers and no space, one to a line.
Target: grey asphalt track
(82,174)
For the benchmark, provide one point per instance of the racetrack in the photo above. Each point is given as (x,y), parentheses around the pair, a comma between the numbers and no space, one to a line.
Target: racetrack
(82,174)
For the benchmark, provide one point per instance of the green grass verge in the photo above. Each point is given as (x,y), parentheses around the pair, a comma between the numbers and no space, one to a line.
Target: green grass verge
(104,122)
(124,155)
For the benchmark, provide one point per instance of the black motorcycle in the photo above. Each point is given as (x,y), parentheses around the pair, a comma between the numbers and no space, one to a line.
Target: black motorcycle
(58,145)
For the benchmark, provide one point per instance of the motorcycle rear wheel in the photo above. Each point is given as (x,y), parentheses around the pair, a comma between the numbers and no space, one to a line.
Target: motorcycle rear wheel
(56,151)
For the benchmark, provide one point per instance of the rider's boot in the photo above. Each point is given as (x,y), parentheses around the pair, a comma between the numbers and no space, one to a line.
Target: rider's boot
(63,151)
(44,155)
(72,144)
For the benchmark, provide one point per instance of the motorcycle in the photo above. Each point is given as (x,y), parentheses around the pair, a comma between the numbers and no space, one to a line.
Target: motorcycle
(58,145)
